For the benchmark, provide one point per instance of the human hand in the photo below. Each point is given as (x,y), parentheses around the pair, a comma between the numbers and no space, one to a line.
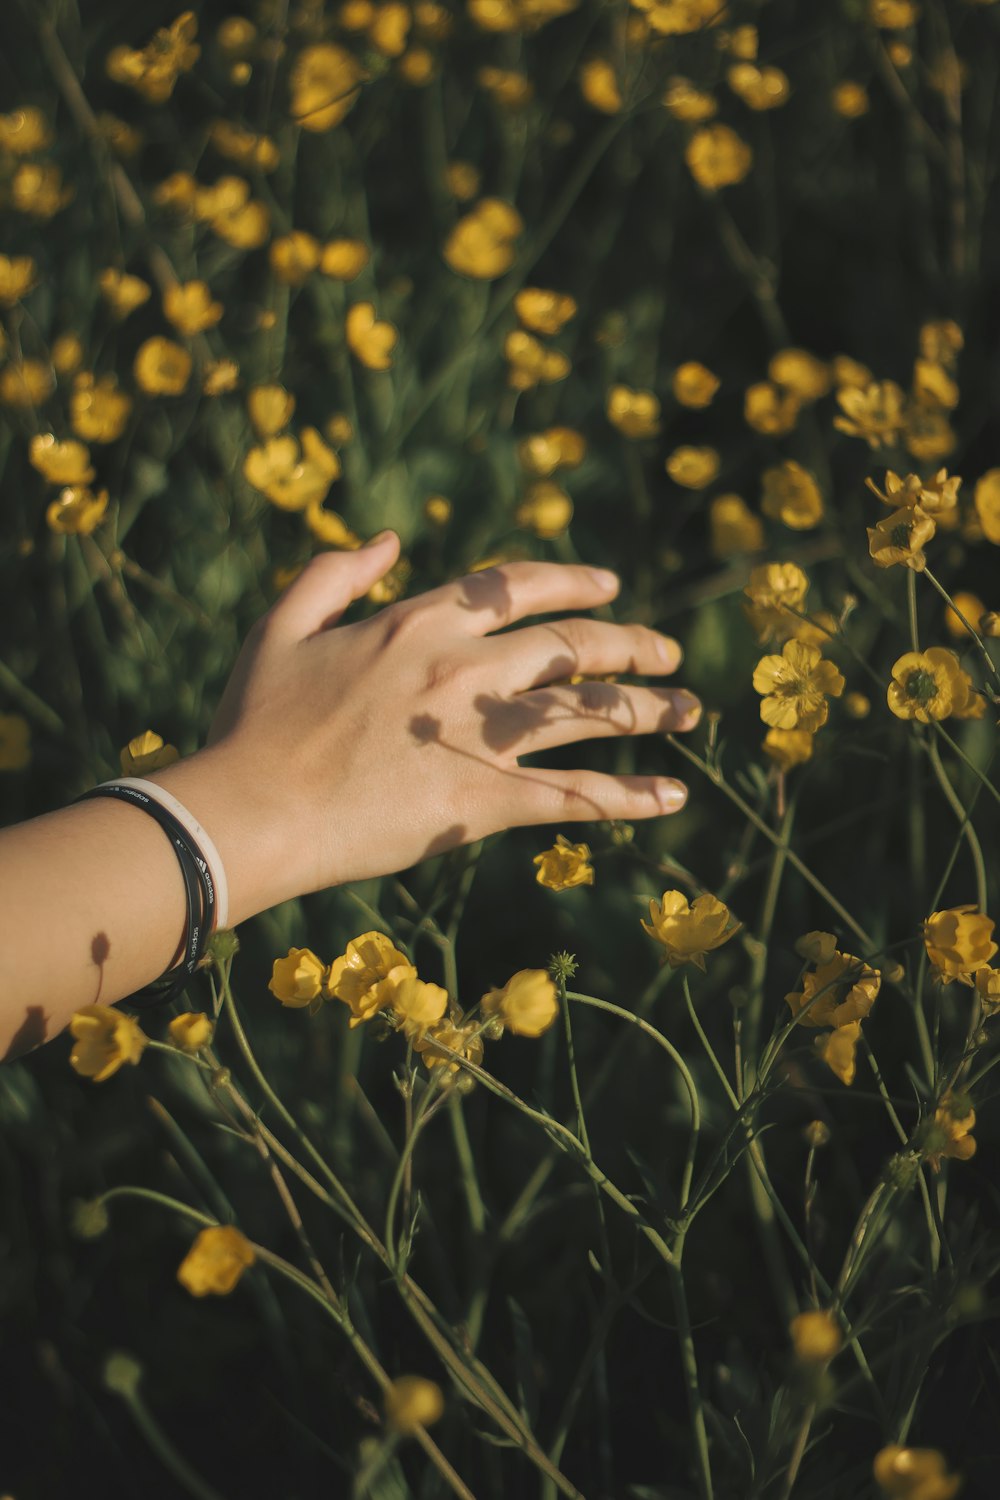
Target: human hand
(360,750)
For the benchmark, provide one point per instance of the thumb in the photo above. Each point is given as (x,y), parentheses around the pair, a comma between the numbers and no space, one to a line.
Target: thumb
(328,584)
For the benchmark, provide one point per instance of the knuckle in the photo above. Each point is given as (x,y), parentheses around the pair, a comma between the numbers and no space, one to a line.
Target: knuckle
(403,622)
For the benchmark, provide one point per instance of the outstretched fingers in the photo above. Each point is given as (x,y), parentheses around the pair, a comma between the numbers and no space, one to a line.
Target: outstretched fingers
(539,795)
(597,710)
(496,597)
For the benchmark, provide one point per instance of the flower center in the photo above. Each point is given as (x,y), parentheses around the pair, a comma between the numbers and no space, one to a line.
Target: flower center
(921,685)
(899,536)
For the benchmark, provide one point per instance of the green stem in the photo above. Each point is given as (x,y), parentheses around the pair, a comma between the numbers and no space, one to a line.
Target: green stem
(689,1364)
(974,635)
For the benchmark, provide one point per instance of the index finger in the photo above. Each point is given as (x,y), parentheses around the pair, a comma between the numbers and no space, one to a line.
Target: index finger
(482,602)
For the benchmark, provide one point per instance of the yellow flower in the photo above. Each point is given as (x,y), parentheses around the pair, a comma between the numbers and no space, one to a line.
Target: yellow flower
(15,742)
(465,1040)
(914,1473)
(544,311)
(299,979)
(838,1049)
(77,511)
(343,259)
(462,180)
(18,274)
(190,308)
(292,478)
(836,992)
(928,685)
(24,131)
(389,28)
(564,866)
(530,363)
(857,705)
(546,510)
(901,538)
(246,227)
(416,1004)
(365,976)
(294,257)
(788,748)
(327,526)
(437,510)
(734,527)
(717,157)
(694,385)
(959,942)
(236,36)
(105,1039)
(636,413)
(191,1031)
(791,495)
(850,99)
(370,341)
(599,85)
(927,434)
(161,367)
(271,408)
(38,190)
(933,386)
(67,354)
(987,503)
(527,1004)
(817,947)
(509,88)
(393,586)
(481,245)
(122,292)
(249,150)
(816,1336)
(325,83)
(971,606)
(26,383)
(893,15)
(769,409)
(941,341)
(418,67)
(795,687)
(800,372)
(146,752)
(759,88)
(216,1261)
(99,411)
(154,70)
(693,468)
(124,140)
(412,1402)
(988,985)
(60,462)
(949,1132)
(688,103)
(220,377)
(555,448)
(935,497)
(873,412)
(688,932)
(774,590)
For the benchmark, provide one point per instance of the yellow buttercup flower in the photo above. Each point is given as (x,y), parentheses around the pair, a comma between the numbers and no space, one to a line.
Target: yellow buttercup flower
(556,448)
(418,66)
(191,1031)
(800,372)
(326,84)
(933,386)
(530,363)
(774,591)
(122,292)
(769,409)
(365,976)
(393,586)
(153,71)
(370,341)
(914,1473)
(688,932)
(18,274)
(694,385)
(987,503)
(759,88)
(717,157)
(271,408)
(836,992)
(791,495)
(294,257)
(510,88)
(526,1005)
(15,742)
(481,245)
(389,28)
(25,131)
(77,511)
(338,430)
(636,413)
(60,462)
(817,947)
(290,477)
(190,307)
(788,748)
(438,510)
(901,538)
(949,1133)
(546,510)
(850,99)
(795,687)
(462,179)
(942,341)
(928,685)
(464,1040)
(216,1261)
(564,866)
(693,468)
(344,259)
(927,434)
(412,1402)
(146,752)
(105,1039)
(326,526)
(253,152)
(959,942)
(599,85)
(67,354)
(125,141)
(936,497)
(543,311)
(733,526)
(969,605)
(988,984)
(220,376)
(816,1336)
(838,1049)
(893,15)
(26,383)
(38,190)
(299,979)
(873,412)
(161,367)
(686,102)
(417,1005)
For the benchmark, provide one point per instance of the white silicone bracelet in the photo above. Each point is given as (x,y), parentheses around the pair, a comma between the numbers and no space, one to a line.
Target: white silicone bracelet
(190,822)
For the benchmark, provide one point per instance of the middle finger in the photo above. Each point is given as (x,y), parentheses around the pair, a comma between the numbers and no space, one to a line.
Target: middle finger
(542,654)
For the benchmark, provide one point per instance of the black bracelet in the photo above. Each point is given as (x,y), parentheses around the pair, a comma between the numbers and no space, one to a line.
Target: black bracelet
(199,893)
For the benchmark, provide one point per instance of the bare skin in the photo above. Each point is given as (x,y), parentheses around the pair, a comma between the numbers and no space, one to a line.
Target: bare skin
(340,752)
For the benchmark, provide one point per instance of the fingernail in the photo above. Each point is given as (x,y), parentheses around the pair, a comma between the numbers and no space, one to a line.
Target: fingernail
(689,708)
(604,579)
(671,795)
(668,651)
(375,541)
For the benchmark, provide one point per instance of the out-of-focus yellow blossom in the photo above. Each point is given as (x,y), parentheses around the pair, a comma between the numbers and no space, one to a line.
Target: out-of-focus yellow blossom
(527,1003)
(838,1049)
(364,977)
(959,941)
(774,590)
(941,341)
(507,86)
(220,377)
(681,17)
(294,256)
(25,131)
(161,367)
(77,511)
(816,1336)
(437,510)
(817,629)
(893,15)
(370,341)
(901,538)
(146,752)
(850,372)
(636,414)
(850,99)
(733,527)
(462,180)
(874,413)
(769,409)
(18,274)
(191,1031)
(291,477)
(791,495)
(325,85)
(717,157)
(326,526)
(60,462)
(517,15)
(67,354)
(546,510)
(759,88)
(189,306)
(105,1039)
(969,605)
(914,1474)
(418,1005)
(299,979)
(933,386)
(236,36)
(544,311)
(271,408)
(464,1040)
(338,429)
(928,685)
(795,687)
(927,434)
(252,152)
(689,931)
(857,706)
(392,585)
(555,448)
(950,1131)
(988,984)
(37,190)
(564,866)
(412,1402)
(433,20)
(154,70)
(122,292)
(987,502)
(817,947)
(216,1261)
(25,383)
(417,67)
(694,385)
(344,259)
(687,102)
(742,42)
(530,363)
(693,468)
(599,85)
(934,496)
(15,742)
(837,991)
(800,372)
(481,245)
(180,192)
(243,224)
(124,140)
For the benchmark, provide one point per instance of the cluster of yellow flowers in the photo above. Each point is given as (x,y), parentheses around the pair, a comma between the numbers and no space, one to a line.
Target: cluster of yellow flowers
(106,1038)
(838,991)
